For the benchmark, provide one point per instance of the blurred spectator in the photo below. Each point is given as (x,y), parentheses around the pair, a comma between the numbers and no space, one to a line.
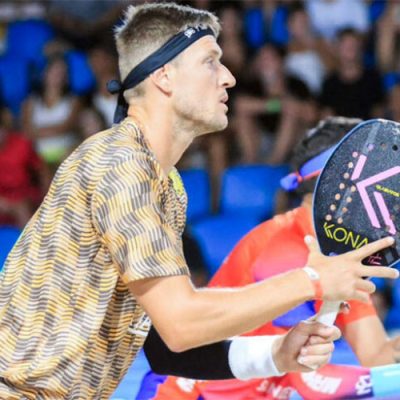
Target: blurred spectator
(352,90)
(23,178)
(308,58)
(328,17)
(49,117)
(270,108)
(231,40)
(90,121)
(393,104)
(11,10)
(104,66)
(387,43)
(85,22)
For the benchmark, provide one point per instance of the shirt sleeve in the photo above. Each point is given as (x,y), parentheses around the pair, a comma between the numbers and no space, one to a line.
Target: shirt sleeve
(128,214)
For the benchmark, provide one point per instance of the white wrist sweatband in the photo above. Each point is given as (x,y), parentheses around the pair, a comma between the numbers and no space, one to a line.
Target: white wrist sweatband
(251,357)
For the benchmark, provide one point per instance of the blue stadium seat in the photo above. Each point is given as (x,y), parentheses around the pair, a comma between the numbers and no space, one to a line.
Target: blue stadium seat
(197,185)
(27,39)
(251,190)
(8,237)
(254,28)
(81,77)
(217,235)
(14,81)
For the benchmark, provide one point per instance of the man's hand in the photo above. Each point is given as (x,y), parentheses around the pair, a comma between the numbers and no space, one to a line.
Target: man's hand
(342,276)
(307,346)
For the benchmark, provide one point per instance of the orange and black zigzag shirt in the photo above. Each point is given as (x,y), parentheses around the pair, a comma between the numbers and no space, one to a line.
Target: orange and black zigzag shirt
(69,326)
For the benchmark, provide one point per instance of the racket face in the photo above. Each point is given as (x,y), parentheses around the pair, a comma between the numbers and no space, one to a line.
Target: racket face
(357,197)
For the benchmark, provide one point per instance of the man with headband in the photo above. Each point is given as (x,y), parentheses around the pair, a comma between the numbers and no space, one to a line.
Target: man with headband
(274,247)
(101,260)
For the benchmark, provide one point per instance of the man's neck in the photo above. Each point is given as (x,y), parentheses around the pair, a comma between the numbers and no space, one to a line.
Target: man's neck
(166,140)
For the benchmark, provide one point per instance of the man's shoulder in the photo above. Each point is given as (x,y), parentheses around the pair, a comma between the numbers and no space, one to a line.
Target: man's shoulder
(115,145)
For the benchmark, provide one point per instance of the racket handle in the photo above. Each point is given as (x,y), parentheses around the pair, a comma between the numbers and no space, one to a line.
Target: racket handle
(328,312)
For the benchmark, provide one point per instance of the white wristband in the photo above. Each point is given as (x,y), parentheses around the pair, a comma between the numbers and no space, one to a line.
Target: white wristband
(251,357)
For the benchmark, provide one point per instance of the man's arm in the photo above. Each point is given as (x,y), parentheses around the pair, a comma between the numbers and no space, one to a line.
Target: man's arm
(187,317)
(246,357)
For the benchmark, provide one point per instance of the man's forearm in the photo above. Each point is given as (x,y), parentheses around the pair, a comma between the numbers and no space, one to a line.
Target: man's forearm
(210,315)
(217,315)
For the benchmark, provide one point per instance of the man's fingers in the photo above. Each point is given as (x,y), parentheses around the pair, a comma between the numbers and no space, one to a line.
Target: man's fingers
(380,272)
(311,243)
(314,362)
(322,349)
(361,296)
(365,286)
(371,248)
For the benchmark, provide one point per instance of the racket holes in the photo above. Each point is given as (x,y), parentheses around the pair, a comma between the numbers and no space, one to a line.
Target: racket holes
(342,186)
(332,207)
(350,165)
(340,220)
(395,147)
(353,188)
(383,146)
(370,146)
(337,196)
(349,199)
(344,210)
(346,175)
(355,154)
(328,217)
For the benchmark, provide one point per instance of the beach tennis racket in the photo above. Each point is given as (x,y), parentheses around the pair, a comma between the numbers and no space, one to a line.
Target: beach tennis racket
(357,197)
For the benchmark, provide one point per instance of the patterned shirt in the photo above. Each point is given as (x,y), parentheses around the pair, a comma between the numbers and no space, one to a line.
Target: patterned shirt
(69,326)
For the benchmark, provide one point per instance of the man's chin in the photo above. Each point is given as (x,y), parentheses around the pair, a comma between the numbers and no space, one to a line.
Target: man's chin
(220,125)
(213,126)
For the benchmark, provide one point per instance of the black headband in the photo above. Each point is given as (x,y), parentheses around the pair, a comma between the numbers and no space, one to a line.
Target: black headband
(156,60)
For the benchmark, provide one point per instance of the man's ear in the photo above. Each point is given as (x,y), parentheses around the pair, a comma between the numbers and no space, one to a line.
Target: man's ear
(162,79)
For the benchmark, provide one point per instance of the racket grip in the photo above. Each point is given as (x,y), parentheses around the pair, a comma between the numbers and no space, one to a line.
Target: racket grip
(328,312)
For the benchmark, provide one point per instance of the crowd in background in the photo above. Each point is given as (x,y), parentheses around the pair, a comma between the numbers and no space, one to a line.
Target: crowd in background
(295,62)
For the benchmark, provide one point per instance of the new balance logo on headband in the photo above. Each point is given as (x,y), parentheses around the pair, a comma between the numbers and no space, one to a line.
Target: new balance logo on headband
(189,32)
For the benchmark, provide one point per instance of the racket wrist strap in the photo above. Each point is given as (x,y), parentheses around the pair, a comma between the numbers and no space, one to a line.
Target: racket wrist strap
(314,277)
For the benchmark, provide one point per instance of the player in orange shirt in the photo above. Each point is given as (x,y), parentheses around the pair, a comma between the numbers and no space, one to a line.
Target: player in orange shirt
(277,246)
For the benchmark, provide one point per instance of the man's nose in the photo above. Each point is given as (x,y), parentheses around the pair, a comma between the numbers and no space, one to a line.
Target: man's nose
(227,79)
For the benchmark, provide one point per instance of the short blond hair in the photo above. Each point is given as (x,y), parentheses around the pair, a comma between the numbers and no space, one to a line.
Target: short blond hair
(148,26)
